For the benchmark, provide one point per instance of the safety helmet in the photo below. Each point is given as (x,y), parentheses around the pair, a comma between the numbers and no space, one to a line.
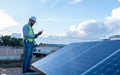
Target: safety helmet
(33,18)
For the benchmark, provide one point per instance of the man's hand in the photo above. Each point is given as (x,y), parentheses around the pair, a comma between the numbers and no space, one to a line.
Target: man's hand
(40,32)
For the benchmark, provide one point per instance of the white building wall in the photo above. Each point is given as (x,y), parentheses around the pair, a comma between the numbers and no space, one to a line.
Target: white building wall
(10,53)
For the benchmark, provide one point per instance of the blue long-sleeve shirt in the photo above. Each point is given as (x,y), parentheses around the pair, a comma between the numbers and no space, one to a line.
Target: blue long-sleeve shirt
(26,32)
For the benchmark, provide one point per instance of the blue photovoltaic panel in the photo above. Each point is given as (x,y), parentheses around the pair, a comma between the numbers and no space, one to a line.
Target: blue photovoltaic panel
(56,54)
(109,66)
(78,59)
(80,63)
(65,54)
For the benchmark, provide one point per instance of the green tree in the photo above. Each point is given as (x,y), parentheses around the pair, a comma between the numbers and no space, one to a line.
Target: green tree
(16,42)
(11,41)
(6,40)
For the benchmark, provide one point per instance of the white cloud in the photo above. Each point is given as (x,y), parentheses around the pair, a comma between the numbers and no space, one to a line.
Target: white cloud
(119,0)
(75,33)
(97,30)
(113,21)
(72,28)
(6,20)
(83,29)
(116,13)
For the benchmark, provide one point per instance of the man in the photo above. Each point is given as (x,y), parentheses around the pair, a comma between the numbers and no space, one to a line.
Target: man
(29,36)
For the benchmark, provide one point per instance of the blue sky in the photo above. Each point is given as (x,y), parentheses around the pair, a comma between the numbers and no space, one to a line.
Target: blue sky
(79,19)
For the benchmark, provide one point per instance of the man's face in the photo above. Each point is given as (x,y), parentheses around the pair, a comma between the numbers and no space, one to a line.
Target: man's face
(32,22)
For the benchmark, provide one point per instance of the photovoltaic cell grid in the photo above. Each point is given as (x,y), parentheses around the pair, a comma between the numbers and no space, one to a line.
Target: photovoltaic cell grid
(54,55)
(64,51)
(80,59)
(110,66)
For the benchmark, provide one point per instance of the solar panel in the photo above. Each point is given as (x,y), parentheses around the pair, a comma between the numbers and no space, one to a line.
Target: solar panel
(109,66)
(77,58)
(66,49)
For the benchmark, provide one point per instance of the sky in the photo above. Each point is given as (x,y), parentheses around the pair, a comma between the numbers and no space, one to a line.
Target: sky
(77,19)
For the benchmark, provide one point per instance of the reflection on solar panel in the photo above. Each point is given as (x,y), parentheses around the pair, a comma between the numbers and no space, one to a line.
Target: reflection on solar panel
(85,58)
